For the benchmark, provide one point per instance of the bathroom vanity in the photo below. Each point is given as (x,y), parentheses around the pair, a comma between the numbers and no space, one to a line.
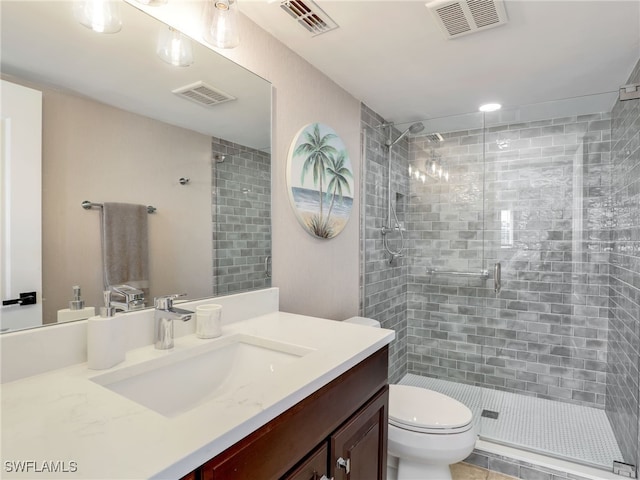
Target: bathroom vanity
(340,431)
(278,395)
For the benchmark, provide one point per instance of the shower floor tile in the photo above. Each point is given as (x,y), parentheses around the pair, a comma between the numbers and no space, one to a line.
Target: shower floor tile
(555,428)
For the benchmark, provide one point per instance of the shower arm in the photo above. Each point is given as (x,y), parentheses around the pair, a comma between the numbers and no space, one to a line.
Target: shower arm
(413,128)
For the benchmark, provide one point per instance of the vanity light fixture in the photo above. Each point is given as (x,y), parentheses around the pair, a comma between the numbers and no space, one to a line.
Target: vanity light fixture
(490,107)
(175,48)
(221,23)
(102,16)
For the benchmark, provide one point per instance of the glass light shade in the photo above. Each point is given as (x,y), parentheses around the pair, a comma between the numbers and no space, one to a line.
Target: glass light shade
(175,48)
(221,23)
(102,16)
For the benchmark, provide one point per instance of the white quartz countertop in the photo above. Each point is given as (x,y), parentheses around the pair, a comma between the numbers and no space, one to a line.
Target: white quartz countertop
(62,420)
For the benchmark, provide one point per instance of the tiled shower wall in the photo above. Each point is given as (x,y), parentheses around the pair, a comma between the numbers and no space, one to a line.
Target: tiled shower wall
(546,220)
(624,324)
(384,285)
(242,217)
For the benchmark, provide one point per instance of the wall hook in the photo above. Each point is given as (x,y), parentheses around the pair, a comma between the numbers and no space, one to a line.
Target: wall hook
(184,181)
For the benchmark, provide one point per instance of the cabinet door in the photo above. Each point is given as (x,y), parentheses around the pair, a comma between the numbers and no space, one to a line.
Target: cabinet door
(361,444)
(314,467)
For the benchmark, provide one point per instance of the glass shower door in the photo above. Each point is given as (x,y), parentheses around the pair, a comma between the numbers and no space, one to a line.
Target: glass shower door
(548,359)
(548,224)
(447,302)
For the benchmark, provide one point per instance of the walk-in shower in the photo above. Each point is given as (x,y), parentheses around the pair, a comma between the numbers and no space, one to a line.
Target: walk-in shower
(549,363)
(392,224)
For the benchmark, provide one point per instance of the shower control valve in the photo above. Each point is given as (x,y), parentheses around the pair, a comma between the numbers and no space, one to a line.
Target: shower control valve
(396,228)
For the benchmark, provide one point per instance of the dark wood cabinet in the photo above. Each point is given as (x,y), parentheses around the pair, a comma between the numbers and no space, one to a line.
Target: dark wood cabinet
(312,468)
(346,418)
(359,448)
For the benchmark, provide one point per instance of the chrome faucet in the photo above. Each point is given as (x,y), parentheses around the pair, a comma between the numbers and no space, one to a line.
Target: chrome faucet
(126,298)
(164,316)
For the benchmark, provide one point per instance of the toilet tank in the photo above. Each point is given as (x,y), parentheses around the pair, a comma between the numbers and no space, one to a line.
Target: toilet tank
(369,322)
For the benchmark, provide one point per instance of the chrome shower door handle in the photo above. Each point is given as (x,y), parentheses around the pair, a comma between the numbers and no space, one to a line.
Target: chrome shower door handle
(267,266)
(497,277)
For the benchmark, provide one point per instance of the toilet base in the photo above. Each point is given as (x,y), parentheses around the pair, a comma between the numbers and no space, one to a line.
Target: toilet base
(411,470)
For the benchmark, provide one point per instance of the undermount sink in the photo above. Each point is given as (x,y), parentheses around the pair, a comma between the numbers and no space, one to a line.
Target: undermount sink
(180,381)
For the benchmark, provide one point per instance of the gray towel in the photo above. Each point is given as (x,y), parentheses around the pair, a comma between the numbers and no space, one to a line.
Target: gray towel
(125,253)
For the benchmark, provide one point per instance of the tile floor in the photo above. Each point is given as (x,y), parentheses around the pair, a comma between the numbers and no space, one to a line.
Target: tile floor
(550,427)
(464,471)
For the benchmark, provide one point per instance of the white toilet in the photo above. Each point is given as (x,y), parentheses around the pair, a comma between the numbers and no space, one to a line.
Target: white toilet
(428,431)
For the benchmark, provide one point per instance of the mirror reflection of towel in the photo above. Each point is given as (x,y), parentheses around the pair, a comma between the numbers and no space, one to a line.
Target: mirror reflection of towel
(125,252)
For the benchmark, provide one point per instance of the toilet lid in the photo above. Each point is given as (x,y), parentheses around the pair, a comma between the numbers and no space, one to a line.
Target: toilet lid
(419,409)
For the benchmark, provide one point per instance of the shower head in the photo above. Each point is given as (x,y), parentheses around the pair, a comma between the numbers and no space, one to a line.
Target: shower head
(416,127)
(413,129)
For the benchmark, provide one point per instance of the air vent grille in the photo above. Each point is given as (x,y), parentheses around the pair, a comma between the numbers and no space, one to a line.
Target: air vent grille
(309,15)
(203,94)
(483,12)
(454,19)
(457,18)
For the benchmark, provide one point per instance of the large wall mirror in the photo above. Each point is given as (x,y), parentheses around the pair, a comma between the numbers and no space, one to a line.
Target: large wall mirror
(113,130)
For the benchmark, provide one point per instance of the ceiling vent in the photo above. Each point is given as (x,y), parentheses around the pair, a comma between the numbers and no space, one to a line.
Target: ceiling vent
(309,15)
(203,94)
(458,18)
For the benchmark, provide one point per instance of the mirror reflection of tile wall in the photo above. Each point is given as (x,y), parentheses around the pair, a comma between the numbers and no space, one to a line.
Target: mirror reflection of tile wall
(242,217)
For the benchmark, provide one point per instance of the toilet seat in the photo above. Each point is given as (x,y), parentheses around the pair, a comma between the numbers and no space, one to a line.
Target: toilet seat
(425,411)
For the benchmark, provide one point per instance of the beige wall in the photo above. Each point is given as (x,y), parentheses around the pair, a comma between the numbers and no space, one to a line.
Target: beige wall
(95,152)
(315,277)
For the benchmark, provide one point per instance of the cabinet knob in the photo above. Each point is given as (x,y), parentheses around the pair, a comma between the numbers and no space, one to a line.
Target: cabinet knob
(344,464)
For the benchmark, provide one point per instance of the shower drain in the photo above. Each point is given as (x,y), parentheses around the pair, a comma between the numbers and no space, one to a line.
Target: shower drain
(489,414)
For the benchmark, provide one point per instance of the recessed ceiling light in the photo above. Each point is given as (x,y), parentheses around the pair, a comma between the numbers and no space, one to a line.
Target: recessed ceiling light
(490,107)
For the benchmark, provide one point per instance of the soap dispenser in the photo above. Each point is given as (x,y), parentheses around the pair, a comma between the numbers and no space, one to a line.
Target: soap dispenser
(106,341)
(76,310)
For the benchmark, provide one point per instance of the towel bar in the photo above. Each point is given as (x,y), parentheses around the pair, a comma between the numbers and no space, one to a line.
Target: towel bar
(87,205)
(482,273)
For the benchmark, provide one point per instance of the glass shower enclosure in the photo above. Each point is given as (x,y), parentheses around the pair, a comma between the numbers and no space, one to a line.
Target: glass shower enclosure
(518,293)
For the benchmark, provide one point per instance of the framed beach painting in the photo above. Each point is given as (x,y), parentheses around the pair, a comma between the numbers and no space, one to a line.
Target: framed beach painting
(320,180)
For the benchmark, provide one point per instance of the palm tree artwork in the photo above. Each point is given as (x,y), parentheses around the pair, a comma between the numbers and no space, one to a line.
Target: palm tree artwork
(339,176)
(319,159)
(318,153)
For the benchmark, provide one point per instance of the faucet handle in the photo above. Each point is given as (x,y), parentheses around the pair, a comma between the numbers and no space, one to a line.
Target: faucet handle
(165,302)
